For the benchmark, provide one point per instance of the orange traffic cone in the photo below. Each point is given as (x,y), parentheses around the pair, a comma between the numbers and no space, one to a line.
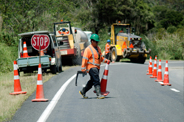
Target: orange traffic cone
(41,53)
(17,86)
(166,76)
(25,53)
(149,64)
(103,83)
(39,89)
(159,77)
(150,67)
(154,70)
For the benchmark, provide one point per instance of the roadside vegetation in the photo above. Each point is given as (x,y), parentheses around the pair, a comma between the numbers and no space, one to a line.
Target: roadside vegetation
(160,23)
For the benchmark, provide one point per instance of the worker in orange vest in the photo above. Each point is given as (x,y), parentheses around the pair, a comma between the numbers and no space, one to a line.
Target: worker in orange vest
(91,61)
(107,49)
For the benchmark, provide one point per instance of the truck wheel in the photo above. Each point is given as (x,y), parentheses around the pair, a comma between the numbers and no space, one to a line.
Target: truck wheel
(53,69)
(113,54)
(141,59)
(60,68)
(77,60)
(125,53)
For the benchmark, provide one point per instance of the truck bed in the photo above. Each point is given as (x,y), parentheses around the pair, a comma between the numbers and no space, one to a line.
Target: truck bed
(33,61)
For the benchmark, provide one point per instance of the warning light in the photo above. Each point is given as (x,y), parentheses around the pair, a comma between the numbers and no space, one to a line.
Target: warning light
(61,20)
(119,22)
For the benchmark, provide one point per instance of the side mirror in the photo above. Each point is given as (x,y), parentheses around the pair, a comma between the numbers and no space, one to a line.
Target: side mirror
(133,29)
(109,31)
(127,30)
(61,43)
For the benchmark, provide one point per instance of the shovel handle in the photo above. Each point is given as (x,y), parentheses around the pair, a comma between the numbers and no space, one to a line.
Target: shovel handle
(79,72)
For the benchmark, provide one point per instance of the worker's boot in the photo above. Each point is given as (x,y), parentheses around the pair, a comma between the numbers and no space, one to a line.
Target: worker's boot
(98,92)
(84,90)
(83,93)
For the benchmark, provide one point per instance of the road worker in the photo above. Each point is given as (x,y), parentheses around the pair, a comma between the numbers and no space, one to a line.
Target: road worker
(107,49)
(91,61)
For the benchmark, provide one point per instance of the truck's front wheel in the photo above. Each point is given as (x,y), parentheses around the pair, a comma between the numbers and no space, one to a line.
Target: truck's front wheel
(114,56)
(53,69)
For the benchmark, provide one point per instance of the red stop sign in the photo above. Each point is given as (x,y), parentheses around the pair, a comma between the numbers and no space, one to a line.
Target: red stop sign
(41,41)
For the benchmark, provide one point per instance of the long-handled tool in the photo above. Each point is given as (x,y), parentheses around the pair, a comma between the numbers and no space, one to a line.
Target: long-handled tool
(79,72)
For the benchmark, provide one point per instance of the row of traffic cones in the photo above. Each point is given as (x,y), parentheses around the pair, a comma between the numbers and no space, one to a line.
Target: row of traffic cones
(153,72)
(39,89)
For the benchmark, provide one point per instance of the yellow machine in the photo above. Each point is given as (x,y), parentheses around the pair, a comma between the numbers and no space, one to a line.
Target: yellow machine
(126,45)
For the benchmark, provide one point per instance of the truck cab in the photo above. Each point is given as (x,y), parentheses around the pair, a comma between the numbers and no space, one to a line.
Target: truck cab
(50,60)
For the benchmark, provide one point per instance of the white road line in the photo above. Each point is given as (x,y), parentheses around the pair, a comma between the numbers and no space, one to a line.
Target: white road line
(161,82)
(175,90)
(54,101)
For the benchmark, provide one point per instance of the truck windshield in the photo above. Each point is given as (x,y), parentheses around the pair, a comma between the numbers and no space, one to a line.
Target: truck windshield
(62,29)
(120,29)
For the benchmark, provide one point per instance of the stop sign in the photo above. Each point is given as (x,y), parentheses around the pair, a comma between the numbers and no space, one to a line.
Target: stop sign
(40,40)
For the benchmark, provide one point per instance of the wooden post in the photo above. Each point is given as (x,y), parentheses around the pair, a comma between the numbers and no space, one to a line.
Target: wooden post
(39,54)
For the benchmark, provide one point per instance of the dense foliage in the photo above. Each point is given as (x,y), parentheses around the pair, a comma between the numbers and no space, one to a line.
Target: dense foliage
(159,22)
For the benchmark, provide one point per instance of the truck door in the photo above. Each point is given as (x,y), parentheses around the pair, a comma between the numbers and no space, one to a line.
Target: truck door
(56,51)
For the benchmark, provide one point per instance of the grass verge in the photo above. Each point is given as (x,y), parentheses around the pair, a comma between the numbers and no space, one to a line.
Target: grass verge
(9,104)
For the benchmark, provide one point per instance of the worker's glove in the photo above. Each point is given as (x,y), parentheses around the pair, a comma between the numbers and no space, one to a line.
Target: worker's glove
(84,72)
(108,61)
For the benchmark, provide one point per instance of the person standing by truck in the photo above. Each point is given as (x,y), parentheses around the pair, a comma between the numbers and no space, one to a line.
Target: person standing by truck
(91,61)
(107,49)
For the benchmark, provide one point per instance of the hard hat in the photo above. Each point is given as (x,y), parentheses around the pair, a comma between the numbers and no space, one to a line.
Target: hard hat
(108,40)
(95,37)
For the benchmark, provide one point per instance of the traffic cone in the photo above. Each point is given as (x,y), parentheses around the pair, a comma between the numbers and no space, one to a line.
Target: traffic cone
(159,77)
(39,89)
(166,76)
(17,85)
(41,53)
(25,53)
(150,67)
(149,64)
(103,83)
(154,70)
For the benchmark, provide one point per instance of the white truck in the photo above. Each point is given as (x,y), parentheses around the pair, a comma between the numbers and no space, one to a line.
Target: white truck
(51,60)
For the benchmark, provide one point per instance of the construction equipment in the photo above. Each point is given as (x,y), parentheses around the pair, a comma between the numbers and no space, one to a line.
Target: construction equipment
(71,41)
(126,45)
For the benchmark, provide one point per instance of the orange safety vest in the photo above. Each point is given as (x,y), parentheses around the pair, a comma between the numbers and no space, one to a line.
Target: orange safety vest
(107,48)
(92,58)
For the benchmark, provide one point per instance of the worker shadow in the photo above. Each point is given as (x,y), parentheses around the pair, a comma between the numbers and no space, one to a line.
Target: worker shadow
(96,98)
(132,62)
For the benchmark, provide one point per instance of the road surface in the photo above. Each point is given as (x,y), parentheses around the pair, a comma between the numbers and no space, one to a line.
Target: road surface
(134,97)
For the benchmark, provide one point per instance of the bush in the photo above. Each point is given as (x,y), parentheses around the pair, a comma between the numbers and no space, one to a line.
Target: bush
(171,29)
(169,47)
(149,45)
(8,55)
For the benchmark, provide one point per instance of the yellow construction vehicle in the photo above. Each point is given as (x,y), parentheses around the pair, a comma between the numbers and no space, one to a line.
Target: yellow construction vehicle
(125,44)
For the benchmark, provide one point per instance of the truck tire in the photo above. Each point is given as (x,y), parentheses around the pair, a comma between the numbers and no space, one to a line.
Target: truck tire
(53,69)
(60,68)
(77,59)
(114,56)
(141,59)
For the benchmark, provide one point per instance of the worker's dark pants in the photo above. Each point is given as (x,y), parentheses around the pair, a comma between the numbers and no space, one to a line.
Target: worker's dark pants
(107,56)
(94,78)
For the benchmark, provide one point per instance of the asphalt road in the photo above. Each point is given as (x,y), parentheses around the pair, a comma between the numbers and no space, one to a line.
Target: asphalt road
(134,97)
